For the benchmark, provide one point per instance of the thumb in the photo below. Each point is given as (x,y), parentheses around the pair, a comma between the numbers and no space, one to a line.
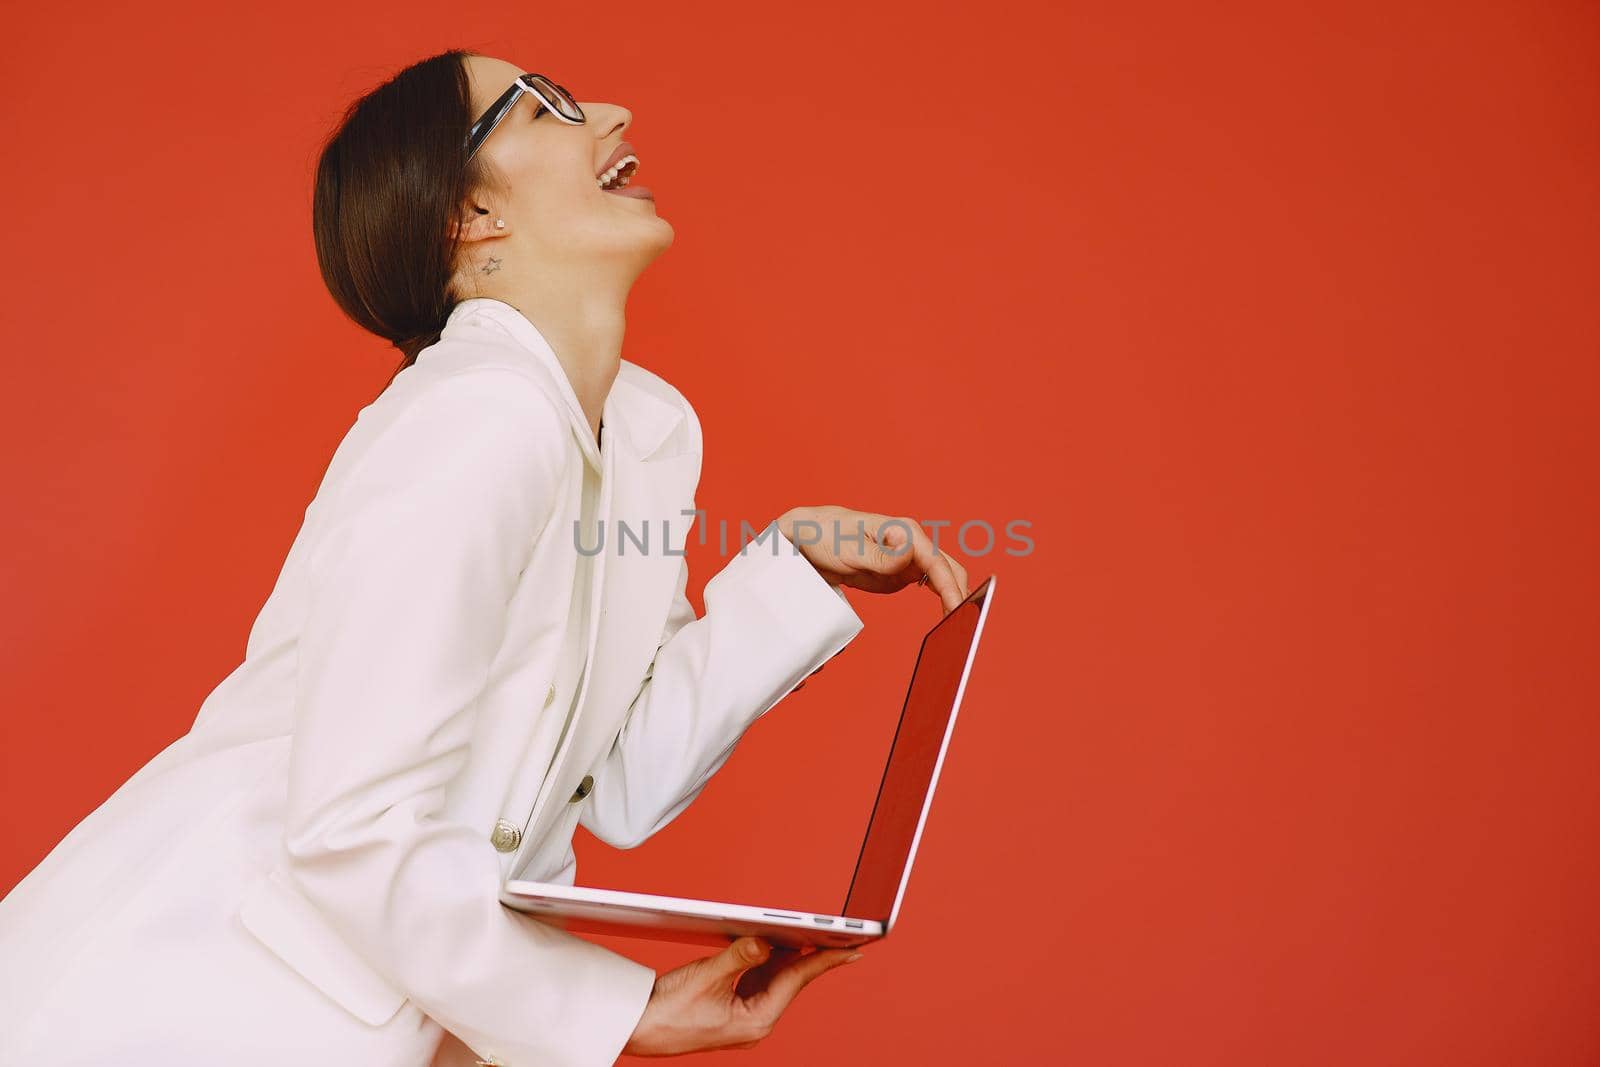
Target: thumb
(890,549)
(882,557)
(740,956)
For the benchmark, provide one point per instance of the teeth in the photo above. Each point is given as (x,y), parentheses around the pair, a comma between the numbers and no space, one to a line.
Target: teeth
(609,176)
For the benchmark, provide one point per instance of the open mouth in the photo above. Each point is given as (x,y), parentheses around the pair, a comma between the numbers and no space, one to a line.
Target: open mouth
(619,175)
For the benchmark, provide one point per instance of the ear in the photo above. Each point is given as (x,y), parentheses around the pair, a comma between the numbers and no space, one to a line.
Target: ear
(476,225)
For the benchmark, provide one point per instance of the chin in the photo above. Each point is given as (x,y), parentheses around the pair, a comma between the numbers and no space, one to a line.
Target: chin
(663,234)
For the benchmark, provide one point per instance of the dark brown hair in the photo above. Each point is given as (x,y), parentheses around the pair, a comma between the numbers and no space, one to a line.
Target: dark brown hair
(389,179)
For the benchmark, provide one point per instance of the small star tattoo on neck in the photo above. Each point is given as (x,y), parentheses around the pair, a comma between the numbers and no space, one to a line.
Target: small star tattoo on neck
(491,266)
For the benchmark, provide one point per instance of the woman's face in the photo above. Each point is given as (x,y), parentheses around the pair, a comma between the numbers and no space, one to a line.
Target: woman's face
(554,207)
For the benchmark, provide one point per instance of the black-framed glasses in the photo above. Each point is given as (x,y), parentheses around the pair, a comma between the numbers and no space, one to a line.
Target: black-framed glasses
(552,98)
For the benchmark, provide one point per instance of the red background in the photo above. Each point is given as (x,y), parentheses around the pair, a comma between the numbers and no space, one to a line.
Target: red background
(1276,321)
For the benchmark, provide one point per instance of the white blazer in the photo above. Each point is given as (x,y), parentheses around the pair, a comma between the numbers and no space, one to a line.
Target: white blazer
(312,874)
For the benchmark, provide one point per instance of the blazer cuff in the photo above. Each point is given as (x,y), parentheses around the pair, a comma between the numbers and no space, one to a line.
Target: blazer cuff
(603,996)
(814,614)
(617,1008)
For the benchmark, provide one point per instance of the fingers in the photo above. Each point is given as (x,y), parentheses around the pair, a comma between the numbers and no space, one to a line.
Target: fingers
(895,552)
(787,983)
(753,983)
(941,575)
(960,572)
(928,560)
(744,953)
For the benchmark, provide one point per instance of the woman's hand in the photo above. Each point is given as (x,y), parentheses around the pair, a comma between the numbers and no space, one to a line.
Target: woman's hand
(878,553)
(730,1000)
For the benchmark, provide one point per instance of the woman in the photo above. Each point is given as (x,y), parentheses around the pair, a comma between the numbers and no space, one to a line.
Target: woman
(447,677)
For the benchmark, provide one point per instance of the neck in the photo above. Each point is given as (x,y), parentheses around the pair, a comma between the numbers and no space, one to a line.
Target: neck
(584,323)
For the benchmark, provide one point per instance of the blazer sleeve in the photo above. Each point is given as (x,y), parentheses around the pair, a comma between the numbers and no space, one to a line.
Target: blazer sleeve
(409,587)
(770,621)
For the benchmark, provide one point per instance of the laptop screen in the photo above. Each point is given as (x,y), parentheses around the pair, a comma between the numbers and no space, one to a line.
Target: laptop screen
(914,760)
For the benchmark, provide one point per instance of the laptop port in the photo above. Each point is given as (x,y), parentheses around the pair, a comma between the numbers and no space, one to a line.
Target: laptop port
(854,924)
(820,919)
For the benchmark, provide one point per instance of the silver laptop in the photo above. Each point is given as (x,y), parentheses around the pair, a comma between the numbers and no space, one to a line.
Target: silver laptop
(878,886)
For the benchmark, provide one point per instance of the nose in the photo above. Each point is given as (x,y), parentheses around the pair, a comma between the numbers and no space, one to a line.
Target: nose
(608,119)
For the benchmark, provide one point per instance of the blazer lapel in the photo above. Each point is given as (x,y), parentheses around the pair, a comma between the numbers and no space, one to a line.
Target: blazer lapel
(644,494)
(645,489)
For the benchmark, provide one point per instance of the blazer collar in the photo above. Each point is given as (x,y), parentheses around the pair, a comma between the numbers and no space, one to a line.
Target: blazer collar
(637,414)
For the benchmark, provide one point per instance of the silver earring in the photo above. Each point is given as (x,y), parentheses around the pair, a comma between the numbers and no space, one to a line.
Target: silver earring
(499,224)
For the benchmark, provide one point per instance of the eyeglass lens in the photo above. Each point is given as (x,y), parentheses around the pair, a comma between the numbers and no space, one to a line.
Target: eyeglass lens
(558,96)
